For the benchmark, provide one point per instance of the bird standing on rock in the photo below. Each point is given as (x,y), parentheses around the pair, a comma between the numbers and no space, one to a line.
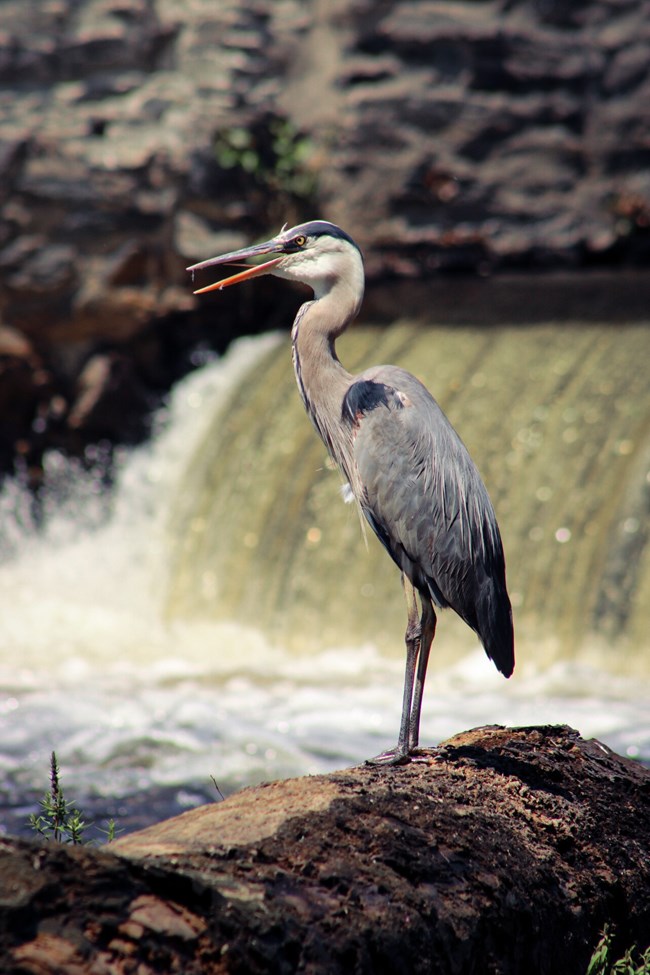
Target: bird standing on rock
(406,466)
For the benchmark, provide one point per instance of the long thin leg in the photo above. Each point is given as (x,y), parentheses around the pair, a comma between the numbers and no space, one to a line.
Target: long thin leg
(427,633)
(399,754)
(412,638)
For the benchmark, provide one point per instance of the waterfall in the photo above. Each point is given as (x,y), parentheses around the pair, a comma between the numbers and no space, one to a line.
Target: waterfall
(557,417)
(218,613)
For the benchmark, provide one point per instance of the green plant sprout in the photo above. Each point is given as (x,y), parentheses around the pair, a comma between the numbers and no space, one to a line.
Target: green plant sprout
(59,819)
(632,963)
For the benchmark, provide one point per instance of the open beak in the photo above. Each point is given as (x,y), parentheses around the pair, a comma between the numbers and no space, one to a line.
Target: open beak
(234,257)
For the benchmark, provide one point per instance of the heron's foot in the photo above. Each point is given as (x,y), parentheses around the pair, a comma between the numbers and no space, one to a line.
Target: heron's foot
(394,756)
(402,756)
(422,754)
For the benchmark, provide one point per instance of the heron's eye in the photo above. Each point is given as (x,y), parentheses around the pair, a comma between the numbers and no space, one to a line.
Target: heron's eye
(300,240)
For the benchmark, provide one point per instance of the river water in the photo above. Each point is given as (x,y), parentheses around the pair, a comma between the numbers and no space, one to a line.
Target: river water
(145,707)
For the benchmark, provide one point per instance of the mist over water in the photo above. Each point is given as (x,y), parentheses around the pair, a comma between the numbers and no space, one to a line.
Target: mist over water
(146,692)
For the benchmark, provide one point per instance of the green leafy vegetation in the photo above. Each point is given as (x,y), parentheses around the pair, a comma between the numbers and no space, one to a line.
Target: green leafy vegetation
(59,819)
(275,155)
(632,963)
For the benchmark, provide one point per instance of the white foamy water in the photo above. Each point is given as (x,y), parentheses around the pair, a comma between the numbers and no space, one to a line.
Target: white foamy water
(133,703)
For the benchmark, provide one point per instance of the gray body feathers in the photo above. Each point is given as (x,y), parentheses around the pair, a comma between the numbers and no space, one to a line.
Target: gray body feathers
(424,498)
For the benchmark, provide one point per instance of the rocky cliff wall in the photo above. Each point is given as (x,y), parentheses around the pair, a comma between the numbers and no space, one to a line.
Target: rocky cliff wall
(137,136)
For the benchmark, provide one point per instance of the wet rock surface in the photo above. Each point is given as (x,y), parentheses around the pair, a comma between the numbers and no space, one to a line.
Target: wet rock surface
(505,850)
(137,138)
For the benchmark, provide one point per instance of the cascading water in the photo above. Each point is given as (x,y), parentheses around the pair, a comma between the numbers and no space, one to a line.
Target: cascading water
(217,613)
(557,419)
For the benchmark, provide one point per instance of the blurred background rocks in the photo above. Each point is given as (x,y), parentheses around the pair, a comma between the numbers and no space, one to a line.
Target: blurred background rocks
(484,138)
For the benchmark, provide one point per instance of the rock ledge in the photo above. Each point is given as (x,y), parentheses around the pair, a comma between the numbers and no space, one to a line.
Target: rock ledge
(505,850)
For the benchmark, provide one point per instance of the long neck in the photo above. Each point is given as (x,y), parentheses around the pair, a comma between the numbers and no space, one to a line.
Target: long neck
(322,380)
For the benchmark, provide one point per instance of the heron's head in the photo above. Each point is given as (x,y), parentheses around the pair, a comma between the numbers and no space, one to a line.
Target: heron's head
(317,253)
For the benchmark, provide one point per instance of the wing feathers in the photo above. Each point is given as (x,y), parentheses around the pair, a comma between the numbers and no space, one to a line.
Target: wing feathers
(425,500)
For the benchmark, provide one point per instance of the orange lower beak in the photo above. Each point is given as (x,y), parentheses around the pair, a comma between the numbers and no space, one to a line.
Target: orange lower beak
(250,272)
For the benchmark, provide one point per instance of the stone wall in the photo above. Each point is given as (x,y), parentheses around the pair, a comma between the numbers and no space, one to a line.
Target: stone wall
(138,136)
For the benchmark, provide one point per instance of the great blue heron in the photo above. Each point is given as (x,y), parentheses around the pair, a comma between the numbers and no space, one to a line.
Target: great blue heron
(405,464)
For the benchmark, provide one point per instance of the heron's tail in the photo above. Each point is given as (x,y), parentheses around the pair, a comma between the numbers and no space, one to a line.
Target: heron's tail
(485,607)
(494,627)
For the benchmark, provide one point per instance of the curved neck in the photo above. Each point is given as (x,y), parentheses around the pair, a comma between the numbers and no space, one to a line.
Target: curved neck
(322,380)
